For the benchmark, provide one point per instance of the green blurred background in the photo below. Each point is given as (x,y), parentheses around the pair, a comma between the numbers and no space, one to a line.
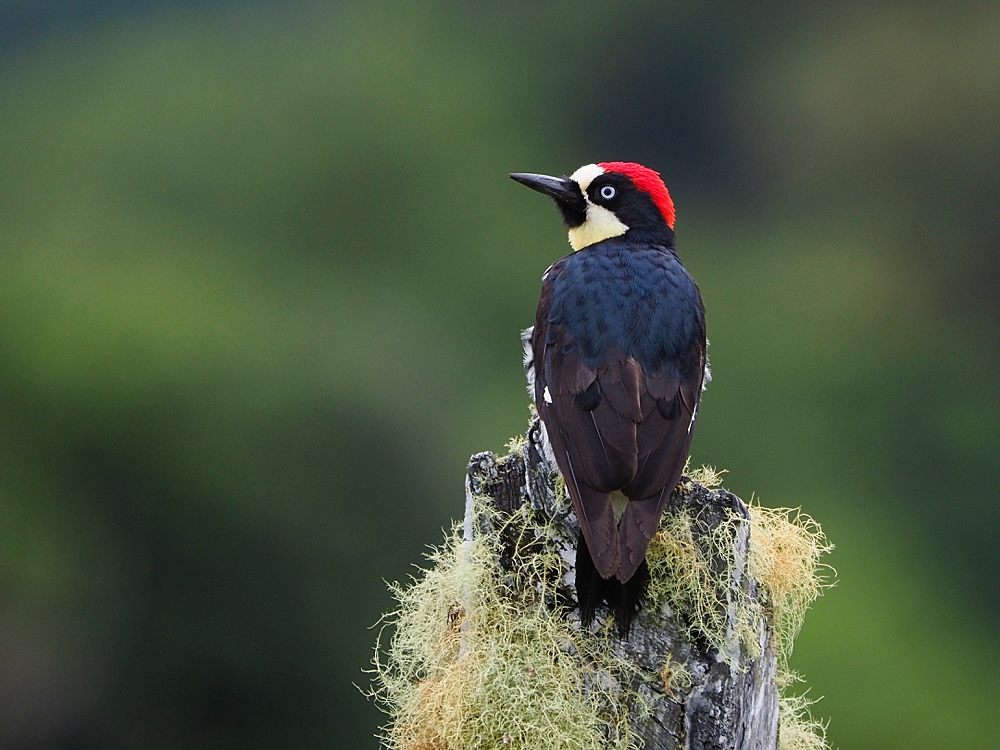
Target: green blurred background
(262,275)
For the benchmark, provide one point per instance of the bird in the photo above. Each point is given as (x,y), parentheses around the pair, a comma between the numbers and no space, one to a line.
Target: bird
(617,361)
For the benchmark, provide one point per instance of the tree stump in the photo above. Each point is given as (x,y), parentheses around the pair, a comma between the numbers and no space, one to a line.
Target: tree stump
(689,691)
(487,651)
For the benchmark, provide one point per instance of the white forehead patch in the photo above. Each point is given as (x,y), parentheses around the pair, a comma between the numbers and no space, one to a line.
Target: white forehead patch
(601,224)
(586,175)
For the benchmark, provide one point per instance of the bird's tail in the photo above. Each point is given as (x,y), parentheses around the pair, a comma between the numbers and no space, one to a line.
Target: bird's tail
(623,598)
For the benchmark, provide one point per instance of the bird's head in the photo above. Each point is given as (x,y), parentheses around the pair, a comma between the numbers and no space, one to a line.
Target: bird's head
(600,201)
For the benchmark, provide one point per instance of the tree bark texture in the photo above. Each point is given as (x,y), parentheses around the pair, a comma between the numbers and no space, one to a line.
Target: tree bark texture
(727,699)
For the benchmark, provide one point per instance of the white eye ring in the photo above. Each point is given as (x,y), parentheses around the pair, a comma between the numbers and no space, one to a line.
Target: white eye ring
(607,192)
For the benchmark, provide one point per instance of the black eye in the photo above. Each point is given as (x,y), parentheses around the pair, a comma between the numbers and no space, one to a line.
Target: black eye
(607,192)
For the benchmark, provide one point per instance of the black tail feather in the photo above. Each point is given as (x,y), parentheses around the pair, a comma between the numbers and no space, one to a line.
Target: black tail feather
(623,599)
(589,584)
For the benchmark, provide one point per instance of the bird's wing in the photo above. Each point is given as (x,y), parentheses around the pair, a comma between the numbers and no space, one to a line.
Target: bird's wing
(615,425)
(592,413)
(669,407)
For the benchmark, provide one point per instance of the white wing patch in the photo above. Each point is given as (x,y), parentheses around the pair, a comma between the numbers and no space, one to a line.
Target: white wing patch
(529,359)
(529,369)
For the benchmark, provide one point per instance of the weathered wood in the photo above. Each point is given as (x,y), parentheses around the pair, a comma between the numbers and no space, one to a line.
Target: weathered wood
(728,699)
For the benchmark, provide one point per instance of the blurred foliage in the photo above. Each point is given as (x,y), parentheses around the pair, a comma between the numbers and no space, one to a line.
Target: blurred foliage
(262,278)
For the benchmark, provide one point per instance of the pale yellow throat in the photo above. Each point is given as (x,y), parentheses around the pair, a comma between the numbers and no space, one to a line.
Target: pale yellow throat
(601,224)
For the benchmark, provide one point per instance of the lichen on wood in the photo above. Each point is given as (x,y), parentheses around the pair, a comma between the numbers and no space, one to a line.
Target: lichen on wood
(486,650)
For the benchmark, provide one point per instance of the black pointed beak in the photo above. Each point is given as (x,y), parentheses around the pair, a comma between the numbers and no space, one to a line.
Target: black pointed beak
(561,189)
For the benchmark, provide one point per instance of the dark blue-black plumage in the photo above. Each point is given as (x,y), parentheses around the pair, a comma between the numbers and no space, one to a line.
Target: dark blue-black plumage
(616,295)
(619,358)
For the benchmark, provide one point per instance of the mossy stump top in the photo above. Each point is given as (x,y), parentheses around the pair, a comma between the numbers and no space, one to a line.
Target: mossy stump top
(489,652)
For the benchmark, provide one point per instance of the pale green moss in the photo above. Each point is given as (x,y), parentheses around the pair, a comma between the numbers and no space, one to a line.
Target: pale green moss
(705,475)
(472,665)
(785,550)
(676,677)
(516,444)
(694,577)
(797,729)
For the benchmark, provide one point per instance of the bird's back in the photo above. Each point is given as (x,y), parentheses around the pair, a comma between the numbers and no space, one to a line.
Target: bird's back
(614,298)
(619,347)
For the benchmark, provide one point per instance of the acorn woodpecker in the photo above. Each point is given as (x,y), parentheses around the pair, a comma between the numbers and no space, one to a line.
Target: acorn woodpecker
(616,362)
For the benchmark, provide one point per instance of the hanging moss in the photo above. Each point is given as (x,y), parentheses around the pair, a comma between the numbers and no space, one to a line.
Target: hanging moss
(472,667)
(478,661)
(786,546)
(692,572)
(797,729)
